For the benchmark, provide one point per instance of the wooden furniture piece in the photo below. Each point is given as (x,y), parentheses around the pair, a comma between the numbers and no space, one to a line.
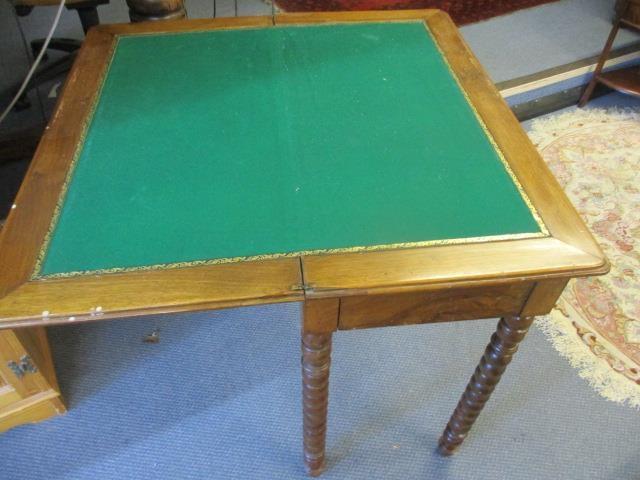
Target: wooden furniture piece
(150,10)
(28,388)
(361,163)
(625,80)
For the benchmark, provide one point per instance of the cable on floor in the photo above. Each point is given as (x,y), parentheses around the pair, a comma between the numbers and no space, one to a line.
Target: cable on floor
(36,62)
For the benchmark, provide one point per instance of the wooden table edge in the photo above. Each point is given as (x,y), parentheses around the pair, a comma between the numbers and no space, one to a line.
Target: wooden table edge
(86,317)
(391,271)
(28,223)
(285,280)
(41,184)
(541,187)
(142,292)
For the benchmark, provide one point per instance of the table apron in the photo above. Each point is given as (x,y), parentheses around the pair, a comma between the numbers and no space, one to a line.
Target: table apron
(450,304)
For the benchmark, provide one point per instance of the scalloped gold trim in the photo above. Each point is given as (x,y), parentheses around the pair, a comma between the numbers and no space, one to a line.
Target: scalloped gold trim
(534,212)
(370,248)
(270,256)
(72,166)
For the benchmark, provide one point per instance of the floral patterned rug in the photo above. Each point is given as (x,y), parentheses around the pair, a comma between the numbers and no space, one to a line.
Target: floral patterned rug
(461,11)
(595,154)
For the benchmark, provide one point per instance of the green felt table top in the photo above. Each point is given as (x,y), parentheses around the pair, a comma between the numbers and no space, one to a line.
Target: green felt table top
(222,144)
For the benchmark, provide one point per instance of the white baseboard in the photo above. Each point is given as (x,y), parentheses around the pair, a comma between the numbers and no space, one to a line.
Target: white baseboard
(565,75)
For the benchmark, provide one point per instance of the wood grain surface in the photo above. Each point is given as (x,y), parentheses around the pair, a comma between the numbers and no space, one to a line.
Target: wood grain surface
(569,251)
(316,359)
(515,279)
(443,305)
(504,344)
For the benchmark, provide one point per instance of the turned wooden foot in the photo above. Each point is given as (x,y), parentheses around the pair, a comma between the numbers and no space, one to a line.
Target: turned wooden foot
(145,10)
(504,343)
(316,357)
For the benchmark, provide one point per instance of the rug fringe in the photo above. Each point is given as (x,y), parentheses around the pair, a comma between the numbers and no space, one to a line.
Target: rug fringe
(558,327)
(597,372)
(539,132)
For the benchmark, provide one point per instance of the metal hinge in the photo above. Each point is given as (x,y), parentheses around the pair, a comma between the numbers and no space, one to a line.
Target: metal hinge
(302,286)
(24,366)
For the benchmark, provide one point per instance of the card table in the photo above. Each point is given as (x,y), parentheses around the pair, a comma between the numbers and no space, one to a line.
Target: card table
(361,163)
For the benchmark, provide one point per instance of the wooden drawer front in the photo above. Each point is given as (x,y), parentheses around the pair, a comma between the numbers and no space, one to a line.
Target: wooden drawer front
(432,306)
(28,387)
(8,396)
(13,351)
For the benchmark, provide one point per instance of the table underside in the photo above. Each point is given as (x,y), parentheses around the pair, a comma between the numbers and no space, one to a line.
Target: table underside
(221,145)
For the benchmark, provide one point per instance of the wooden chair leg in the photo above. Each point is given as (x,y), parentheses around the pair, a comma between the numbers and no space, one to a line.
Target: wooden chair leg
(586,95)
(316,358)
(503,345)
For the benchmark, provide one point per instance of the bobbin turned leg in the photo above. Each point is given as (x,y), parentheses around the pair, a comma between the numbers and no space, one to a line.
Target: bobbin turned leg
(319,322)
(503,345)
(316,357)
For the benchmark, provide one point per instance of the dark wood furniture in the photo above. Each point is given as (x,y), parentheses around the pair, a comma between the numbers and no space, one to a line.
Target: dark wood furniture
(625,80)
(515,277)
(150,10)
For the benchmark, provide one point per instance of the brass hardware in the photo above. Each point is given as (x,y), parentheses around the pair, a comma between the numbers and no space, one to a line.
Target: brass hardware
(24,366)
(303,286)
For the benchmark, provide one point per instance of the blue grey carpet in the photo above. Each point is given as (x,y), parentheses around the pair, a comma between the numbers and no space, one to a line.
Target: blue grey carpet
(529,41)
(219,398)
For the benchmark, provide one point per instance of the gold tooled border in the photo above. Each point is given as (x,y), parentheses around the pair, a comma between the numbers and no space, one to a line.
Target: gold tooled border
(270,256)
(534,212)
(368,248)
(88,120)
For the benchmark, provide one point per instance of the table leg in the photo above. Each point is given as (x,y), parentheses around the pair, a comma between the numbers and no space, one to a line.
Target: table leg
(145,10)
(503,345)
(316,358)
